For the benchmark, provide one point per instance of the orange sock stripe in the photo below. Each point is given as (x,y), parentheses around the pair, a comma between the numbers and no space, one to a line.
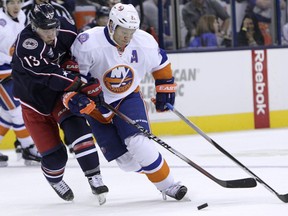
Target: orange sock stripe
(159,175)
(3,130)
(22,133)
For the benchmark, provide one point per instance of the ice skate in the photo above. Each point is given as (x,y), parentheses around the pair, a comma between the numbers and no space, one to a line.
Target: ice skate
(98,188)
(31,156)
(18,149)
(3,160)
(63,190)
(176,191)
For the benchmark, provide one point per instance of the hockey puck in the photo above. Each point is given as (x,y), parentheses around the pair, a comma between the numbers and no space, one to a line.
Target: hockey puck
(202,206)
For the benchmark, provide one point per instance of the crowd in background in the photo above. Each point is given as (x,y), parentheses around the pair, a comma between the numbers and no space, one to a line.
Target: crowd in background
(203,23)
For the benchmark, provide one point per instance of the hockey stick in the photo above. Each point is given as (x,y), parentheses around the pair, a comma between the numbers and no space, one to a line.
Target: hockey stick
(283,197)
(238,183)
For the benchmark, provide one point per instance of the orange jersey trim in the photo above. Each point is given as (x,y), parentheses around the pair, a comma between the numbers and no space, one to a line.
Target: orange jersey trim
(163,73)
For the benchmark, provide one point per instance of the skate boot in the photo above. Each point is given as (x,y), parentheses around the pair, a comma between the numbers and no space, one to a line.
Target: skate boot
(98,188)
(63,190)
(31,156)
(3,160)
(18,149)
(176,191)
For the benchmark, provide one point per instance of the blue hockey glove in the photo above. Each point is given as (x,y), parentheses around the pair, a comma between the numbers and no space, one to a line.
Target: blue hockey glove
(78,103)
(165,93)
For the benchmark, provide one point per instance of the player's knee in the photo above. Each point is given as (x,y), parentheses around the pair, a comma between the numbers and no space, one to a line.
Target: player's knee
(142,148)
(76,134)
(55,160)
(127,163)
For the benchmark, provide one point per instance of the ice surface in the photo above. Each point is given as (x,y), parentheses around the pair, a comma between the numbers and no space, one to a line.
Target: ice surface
(24,190)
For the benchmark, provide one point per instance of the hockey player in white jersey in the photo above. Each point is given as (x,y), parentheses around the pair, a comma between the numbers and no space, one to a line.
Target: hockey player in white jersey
(12,20)
(119,55)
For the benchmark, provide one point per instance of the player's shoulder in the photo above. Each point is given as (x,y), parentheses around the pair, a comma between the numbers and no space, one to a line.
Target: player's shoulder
(3,18)
(22,16)
(90,38)
(97,30)
(29,43)
(144,39)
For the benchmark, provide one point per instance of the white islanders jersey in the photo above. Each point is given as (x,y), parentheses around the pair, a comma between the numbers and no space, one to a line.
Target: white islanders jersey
(119,73)
(9,29)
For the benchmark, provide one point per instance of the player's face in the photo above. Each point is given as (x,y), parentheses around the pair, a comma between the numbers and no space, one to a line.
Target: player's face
(47,35)
(13,8)
(123,36)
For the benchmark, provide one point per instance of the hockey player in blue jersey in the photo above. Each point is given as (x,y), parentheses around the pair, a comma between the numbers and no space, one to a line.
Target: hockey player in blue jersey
(119,55)
(39,82)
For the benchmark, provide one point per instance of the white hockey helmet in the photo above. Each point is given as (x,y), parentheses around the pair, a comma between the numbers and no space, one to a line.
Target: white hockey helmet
(124,15)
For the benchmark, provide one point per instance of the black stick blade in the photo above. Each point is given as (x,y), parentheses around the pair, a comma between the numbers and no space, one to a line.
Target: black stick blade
(239,183)
(283,197)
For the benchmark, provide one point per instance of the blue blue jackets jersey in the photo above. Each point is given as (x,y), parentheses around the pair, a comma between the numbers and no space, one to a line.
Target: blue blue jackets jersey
(38,79)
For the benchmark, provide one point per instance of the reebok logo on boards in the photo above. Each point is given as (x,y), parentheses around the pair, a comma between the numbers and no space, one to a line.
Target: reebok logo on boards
(260,89)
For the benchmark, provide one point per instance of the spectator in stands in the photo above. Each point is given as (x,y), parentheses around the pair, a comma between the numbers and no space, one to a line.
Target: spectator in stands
(101,19)
(148,11)
(263,12)
(60,10)
(206,31)
(250,34)
(149,17)
(193,10)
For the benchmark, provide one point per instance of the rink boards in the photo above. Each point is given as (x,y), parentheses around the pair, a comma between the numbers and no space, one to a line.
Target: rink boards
(221,91)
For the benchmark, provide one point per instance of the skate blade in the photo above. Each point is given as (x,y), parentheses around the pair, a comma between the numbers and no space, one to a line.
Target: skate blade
(31,163)
(186,198)
(3,164)
(101,198)
(19,156)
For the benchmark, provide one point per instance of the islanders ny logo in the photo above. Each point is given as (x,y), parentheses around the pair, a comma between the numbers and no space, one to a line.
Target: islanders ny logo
(119,79)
